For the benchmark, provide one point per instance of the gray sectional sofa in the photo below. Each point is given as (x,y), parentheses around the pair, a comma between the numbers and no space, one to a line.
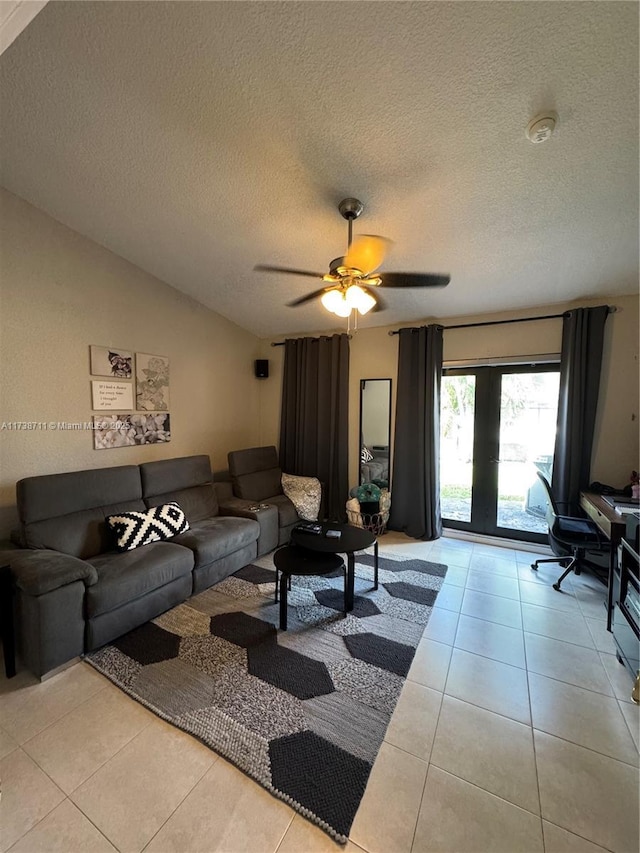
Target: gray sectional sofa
(74,592)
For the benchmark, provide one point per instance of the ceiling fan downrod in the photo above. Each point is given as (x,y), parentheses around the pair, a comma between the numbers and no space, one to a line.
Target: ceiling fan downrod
(350,209)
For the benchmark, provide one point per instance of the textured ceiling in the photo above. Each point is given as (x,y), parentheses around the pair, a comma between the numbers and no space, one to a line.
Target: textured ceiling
(198,139)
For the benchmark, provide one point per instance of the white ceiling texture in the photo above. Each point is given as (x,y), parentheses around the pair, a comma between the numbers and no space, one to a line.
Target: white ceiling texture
(197,139)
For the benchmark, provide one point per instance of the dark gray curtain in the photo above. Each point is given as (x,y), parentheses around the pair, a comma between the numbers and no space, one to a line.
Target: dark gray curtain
(580,364)
(314,419)
(415,498)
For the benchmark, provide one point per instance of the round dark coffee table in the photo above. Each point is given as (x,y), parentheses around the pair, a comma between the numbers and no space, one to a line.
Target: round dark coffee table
(351,539)
(293,560)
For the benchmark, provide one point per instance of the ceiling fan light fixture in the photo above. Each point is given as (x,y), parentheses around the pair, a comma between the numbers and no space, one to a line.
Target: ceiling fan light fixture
(342,309)
(359,299)
(331,300)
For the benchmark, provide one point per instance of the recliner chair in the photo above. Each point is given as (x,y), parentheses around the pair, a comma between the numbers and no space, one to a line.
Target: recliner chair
(570,538)
(256,477)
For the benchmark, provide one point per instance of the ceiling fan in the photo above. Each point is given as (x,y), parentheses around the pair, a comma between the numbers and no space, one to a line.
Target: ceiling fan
(350,277)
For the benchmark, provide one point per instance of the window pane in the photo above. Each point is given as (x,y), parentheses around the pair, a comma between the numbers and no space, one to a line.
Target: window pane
(457,414)
(528,412)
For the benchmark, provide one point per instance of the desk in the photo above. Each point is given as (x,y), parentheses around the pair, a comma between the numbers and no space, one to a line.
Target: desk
(612,524)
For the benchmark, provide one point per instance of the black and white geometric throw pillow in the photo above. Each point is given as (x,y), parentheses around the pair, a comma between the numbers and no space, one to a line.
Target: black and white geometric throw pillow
(365,454)
(133,529)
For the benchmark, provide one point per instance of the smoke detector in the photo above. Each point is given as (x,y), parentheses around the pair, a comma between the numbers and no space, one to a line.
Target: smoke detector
(541,128)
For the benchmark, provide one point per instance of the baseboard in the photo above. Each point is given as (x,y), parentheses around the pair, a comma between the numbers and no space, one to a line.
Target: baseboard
(60,668)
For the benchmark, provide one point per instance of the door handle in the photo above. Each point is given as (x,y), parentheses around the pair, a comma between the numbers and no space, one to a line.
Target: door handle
(493,459)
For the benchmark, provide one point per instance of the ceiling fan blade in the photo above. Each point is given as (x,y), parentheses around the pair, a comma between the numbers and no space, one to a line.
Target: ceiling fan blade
(367,252)
(413,279)
(288,270)
(308,297)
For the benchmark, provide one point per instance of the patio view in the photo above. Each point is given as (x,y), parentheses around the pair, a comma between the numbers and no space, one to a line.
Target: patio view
(527,429)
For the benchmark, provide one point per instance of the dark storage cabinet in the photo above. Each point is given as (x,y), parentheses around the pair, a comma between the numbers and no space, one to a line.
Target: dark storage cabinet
(626,613)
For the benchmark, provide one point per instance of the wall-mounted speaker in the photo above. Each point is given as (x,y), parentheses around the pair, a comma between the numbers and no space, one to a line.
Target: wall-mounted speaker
(262,368)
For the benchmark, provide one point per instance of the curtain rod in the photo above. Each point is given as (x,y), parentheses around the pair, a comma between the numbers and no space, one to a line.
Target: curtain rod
(611,308)
(322,337)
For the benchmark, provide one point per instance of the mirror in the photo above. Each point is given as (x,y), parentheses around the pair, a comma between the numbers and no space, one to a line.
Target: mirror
(375,431)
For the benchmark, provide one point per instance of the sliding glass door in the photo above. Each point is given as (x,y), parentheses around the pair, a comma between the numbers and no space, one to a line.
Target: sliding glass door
(498,427)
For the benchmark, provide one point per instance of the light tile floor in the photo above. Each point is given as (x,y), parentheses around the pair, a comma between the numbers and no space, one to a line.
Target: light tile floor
(515,731)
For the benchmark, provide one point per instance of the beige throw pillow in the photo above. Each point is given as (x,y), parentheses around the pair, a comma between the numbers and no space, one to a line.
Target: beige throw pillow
(304,493)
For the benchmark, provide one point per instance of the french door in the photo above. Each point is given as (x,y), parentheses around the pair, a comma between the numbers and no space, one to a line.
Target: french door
(498,428)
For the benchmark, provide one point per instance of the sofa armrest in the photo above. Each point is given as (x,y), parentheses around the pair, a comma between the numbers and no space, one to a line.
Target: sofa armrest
(37,572)
(267,518)
(238,507)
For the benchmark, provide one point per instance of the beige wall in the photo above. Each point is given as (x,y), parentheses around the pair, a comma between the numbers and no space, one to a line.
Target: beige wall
(375,354)
(60,293)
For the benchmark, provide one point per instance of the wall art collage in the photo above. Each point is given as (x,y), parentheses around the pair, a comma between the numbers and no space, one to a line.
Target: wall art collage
(150,423)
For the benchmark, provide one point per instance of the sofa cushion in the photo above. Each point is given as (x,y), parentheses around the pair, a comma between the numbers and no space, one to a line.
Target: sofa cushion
(215,538)
(255,473)
(252,459)
(198,502)
(187,481)
(125,577)
(52,495)
(78,534)
(66,512)
(134,529)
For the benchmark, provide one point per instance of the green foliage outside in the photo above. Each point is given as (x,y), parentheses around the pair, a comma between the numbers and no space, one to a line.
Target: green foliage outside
(464,493)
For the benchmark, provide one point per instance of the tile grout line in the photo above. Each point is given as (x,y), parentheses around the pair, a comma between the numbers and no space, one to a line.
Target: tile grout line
(91,775)
(569,683)
(582,746)
(173,811)
(435,732)
(67,799)
(558,640)
(284,834)
(26,754)
(577,835)
(533,743)
(493,794)
(488,711)
(488,657)
(599,653)
(620,704)
(61,717)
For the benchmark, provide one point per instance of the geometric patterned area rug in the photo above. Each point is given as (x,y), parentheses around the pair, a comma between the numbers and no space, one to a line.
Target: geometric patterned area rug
(302,711)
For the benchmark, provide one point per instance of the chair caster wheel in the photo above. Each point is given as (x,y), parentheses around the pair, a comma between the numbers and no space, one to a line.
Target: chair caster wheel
(556,586)
(534,567)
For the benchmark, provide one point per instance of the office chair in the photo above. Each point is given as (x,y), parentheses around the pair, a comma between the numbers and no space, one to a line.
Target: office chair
(570,538)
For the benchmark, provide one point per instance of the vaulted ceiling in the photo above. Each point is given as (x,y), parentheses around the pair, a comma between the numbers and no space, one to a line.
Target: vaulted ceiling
(199,139)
